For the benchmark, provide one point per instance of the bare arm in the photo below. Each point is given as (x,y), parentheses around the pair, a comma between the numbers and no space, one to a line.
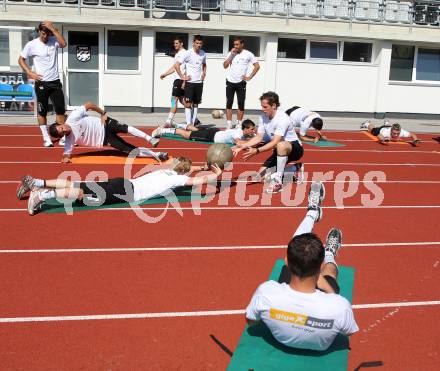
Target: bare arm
(227,62)
(253,73)
(31,74)
(89,106)
(267,147)
(199,180)
(203,71)
(49,25)
(179,72)
(168,72)
(306,138)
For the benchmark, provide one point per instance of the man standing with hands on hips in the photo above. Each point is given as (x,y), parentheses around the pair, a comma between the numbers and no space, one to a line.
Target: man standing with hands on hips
(237,63)
(44,49)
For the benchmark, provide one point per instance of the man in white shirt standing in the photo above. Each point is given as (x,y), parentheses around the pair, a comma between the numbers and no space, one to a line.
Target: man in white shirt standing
(304,309)
(304,120)
(195,63)
(388,132)
(279,136)
(44,50)
(90,131)
(178,91)
(237,63)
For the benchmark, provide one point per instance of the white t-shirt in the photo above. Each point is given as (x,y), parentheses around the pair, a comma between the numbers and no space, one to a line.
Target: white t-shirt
(86,130)
(239,65)
(228,136)
(157,183)
(182,66)
(386,133)
(302,119)
(301,320)
(45,57)
(194,64)
(279,125)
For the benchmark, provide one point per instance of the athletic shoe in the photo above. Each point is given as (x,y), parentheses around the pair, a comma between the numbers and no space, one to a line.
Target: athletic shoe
(62,141)
(154,141)
(364,125)
(162,156)
(35,201)
(387,123)
(275,185)
(334,241)
(157,133)
(48,143)
(197,122)
(316,195)
(26,185)
(299,173)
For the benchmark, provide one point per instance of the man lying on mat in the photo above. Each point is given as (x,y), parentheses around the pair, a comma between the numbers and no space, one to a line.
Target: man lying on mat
(388,132)
(303,120)
(89,131)
(304,310)
(229,136)
(116,190)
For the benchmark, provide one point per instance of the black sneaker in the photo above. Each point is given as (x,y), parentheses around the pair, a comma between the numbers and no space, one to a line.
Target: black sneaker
(334,241)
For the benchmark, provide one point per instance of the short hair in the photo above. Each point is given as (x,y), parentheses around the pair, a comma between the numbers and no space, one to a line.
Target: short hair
(317,123)
(54,132)
(271,97)
(40,27)
(247,124)
(238,38)
(179,39)
(305,254)
(183,165)
(198,38)
(396,127)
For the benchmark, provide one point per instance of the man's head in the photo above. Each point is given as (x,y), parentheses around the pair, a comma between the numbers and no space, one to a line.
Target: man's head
(248,127)
(182,165)
(197,43)
(178,43)
(44,33)
(269,103)
(305,254)
(395,132)
(238,44)
(58,131)
(317,123)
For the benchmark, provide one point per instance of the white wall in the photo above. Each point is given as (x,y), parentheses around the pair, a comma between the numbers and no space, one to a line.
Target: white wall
(121,90)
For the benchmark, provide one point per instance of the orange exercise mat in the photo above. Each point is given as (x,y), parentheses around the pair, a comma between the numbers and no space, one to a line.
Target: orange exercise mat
(115,160)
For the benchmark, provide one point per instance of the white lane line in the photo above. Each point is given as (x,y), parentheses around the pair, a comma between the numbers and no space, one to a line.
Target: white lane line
(205,313)
(204,248)
(311,181)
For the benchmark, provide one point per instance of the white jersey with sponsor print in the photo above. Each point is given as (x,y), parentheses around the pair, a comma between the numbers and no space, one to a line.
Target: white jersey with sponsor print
(157,183)
(194,64)
(302,119)
(301,320)
(182,66)
(86,130)
(239,65)
(228,136)
(386,133)
(280,124)
(45,57)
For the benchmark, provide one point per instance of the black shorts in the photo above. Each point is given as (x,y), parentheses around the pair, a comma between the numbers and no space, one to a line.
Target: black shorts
(204,135)
(111,137)
(294,155)
(376,131)
(193,92)
(178,91)
(231,89)
(286,276)
(53,90)
(290,110)
(106,193)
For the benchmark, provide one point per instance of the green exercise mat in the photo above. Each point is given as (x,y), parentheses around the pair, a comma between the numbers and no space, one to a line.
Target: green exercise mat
(324,143)
(258,350)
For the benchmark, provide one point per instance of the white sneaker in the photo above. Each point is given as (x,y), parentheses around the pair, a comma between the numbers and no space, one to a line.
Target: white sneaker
(48,143)
(364,125)
(275,186)
(154,141)
(299,173)
(334,241)
(27,184)
(157,133)
(35,201)
(316,195)
(62,141)
(387,123)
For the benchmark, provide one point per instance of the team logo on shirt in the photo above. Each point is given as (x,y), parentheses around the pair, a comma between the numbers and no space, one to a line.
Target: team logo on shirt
(83,53)
(300,319)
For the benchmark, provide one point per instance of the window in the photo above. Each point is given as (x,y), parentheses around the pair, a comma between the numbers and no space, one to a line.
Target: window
(428,64)
(213,44)
(164,42)
(402,57)
(4,48)
(251,43)
(357,52)
(123,50)
(323,50)
(292,48)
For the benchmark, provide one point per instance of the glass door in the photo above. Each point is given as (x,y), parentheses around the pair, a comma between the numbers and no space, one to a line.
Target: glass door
(83,61)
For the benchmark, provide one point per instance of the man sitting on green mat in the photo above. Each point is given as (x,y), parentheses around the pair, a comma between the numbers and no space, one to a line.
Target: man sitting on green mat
(229,136)
(304,120)
(304,310)
(116,190)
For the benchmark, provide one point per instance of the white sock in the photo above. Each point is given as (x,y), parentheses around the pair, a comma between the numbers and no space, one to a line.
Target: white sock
(194,114)
(228,124)
(329,258)
(307,224)
(145,152)
(138,133)
(188,115)
(181,126)
(45,133)
(170,117)
(281,164)
(168,131)
(39,183)
(238,123)
(48,194)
